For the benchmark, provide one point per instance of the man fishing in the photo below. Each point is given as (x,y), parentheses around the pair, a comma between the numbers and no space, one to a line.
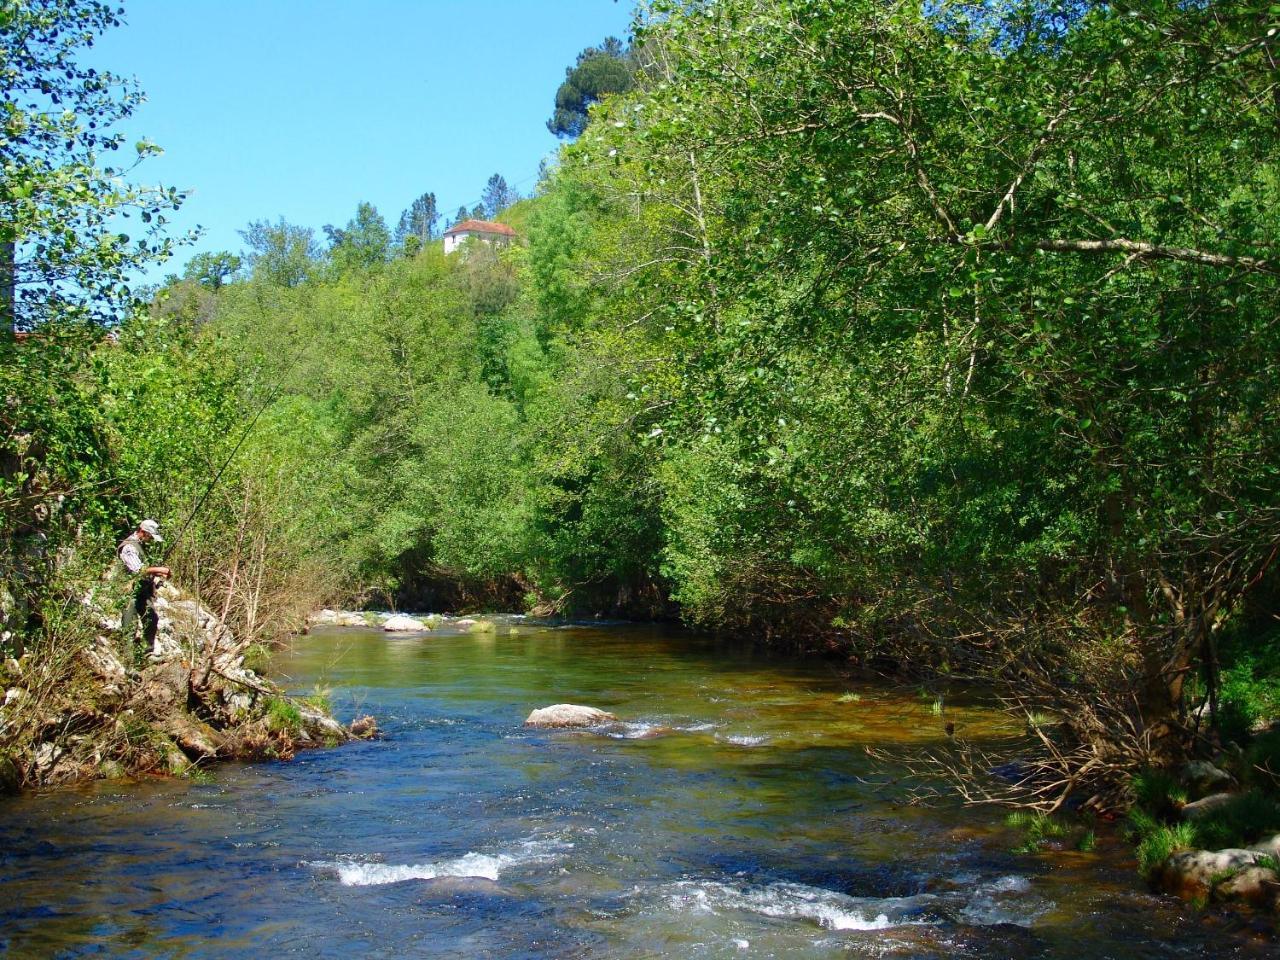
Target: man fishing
(140,608)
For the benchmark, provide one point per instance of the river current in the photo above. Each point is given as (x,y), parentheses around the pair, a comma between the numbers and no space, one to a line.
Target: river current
(733,812)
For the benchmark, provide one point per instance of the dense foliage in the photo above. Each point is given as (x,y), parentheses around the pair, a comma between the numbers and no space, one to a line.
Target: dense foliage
(941,335)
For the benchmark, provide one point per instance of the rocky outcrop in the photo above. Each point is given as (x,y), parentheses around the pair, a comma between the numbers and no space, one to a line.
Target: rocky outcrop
(568,715)
(191,701)
(403,624)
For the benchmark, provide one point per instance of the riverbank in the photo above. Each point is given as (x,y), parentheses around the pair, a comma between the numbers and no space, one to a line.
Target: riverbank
(734,802)
(99,709)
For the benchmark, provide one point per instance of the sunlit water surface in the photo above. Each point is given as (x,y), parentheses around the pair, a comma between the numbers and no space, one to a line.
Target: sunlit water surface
(735,813)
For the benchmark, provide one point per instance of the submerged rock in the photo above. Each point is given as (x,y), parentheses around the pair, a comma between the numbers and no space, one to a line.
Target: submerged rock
(568,715)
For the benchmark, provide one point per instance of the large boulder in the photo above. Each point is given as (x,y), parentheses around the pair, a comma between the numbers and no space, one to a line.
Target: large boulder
(1206,806)
(1248,875)
(1203,777)
(403,624)
(568,715)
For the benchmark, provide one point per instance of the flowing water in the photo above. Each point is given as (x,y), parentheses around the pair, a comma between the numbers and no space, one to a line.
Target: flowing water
(733,813)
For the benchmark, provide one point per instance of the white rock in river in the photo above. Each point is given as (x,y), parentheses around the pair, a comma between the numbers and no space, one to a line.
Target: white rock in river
(401,624)
(568,715)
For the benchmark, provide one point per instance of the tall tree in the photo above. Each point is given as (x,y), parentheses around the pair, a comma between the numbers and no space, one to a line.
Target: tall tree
(212,270)
(66,246)
(281,253)
(597,73)
(418,223)
(497,196)
(458,217)
(364,242)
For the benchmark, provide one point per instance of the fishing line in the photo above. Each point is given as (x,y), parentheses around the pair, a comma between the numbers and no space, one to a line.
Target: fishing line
(277,387)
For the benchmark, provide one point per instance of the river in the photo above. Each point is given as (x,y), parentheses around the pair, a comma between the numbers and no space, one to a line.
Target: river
(734,813)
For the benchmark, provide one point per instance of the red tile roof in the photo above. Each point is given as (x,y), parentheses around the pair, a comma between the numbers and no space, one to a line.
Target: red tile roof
(480,226)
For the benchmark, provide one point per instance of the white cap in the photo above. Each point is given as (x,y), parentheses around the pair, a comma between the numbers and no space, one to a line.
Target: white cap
(152,528)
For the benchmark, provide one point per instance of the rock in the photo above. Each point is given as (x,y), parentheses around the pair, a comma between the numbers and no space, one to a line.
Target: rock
(1256,885)
(1206,806)
(197,740)
(1192,873)
(465,622)
(104,660)
(568,715)
(323,618)
(1203,775)
(482,626)
(364,728)
(1231,874)
(319,727)
(351,618)
(403,624)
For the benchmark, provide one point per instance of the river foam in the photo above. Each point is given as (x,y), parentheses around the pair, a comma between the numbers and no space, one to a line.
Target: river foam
(798,901)
(486,866)
(1004,900)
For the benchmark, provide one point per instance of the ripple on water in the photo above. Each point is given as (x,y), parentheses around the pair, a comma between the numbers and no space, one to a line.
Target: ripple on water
(1003,900)
(360,872)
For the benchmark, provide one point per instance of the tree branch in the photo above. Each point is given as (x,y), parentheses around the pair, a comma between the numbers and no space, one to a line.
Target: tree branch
(1158,252)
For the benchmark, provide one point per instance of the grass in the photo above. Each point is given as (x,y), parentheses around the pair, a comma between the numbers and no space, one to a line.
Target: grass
(283,716)
(1158,792)
(319,699)
(1037,830)
(849,698)
(1249,817)
(1158,841)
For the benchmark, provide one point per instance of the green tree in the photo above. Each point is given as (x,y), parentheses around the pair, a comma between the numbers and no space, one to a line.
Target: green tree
(597,73)
(497,196)
(363,243)
(281,253)
(418,222)
(66,244)
(212,270)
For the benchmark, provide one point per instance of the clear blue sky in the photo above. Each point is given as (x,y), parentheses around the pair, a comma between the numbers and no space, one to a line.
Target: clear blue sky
(303,109)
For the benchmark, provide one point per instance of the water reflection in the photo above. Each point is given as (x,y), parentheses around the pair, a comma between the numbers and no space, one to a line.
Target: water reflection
(728,814)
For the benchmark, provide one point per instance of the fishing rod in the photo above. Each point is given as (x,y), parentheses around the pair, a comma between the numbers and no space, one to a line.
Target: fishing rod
(195,510)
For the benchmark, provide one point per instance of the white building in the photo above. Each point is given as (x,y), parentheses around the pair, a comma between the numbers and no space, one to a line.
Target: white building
(482,230)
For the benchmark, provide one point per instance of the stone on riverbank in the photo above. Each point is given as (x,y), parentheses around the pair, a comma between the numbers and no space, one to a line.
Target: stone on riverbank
(568,715)
(1245,875)
(1206,806)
